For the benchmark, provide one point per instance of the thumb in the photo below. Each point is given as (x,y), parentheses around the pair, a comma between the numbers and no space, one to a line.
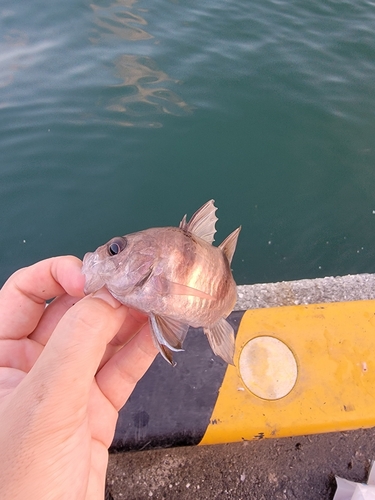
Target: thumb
(67,366)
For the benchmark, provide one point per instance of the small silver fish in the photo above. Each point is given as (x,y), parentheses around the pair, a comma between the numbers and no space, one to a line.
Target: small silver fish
(175,276)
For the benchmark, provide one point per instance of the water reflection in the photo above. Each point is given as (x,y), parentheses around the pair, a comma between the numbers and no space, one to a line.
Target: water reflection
(143,94)
(117,21)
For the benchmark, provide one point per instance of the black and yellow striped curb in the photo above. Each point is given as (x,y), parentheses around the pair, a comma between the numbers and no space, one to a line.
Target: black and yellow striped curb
(299,370)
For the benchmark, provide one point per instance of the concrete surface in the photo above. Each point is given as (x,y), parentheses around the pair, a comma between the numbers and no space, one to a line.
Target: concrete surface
(297,468)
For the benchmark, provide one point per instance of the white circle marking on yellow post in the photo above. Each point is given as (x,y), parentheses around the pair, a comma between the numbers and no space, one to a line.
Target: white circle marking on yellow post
(268,367)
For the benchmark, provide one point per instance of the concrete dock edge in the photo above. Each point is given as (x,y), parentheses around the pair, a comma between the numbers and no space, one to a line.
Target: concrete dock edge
(306,291)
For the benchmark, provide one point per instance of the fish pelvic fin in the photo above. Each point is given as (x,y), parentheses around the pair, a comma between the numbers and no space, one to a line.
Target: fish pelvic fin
(221,339)
(202,223)
(228,246)
(168,335)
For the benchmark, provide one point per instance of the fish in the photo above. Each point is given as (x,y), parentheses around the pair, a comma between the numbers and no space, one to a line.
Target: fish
(175,276)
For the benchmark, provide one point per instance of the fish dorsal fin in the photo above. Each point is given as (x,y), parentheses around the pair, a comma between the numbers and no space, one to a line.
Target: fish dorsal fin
(168,335)
(221,339)
(183,223)
(228,246)
(202,223)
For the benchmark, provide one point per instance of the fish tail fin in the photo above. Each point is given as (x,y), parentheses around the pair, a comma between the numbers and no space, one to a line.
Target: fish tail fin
(221,339)
(228,246)
(168,335)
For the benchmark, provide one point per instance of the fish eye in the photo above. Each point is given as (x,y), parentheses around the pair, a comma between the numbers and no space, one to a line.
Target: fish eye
(116,246)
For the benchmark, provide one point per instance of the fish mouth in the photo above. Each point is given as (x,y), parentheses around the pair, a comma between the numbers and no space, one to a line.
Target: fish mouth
(90,261)
(94,278)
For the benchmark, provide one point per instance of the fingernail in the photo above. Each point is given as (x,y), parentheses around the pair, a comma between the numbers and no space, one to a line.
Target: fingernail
(103,294)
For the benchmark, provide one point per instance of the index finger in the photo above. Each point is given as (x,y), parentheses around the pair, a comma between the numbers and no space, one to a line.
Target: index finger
(23,296)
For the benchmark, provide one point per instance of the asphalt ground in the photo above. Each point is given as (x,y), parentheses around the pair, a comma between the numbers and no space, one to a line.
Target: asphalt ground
(302,467)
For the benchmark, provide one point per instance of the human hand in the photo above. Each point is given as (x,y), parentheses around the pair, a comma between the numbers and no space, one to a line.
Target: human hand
(65,371)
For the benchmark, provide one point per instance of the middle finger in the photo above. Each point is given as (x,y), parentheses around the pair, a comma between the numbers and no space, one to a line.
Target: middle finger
(131,326)
(51,316)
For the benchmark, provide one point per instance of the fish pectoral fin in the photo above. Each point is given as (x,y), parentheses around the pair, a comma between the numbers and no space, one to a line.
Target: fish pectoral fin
(228,246)
(178,289)
(168,335)
(221,339)
(166,287)
(202,223)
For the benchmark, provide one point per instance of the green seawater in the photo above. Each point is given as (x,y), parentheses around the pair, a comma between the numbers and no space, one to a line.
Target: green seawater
(120,115)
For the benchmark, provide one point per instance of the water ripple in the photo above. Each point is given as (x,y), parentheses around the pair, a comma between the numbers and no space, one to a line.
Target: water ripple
(140,98)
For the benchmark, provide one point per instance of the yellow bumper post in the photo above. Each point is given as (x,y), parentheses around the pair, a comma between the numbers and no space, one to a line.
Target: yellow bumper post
(299,370)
